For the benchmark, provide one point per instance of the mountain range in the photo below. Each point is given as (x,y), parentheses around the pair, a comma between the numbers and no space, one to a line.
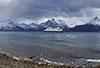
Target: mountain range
(51,25)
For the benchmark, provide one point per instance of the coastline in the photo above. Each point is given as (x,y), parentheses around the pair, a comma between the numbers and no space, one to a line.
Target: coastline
(7,61)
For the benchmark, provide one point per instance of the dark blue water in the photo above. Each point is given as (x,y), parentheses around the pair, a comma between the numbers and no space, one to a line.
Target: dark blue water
(51,44)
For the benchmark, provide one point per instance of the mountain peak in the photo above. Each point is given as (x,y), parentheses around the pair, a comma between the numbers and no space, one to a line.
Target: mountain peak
(94,21)
(10,21)
(96,18)
(52,20)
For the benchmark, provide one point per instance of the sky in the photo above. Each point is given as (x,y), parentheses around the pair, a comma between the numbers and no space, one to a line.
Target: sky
(37,9)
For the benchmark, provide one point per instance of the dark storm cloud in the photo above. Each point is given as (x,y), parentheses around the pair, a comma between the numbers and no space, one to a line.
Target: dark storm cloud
(40,8)
(48,7)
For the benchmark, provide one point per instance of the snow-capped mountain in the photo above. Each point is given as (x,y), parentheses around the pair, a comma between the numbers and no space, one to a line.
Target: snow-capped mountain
(51,25)
(12,26)
(8,26)
(95,20)
(92,26)
(85,28)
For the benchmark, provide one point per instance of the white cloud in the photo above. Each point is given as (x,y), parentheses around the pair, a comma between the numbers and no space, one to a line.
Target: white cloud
(91,12)
(5,2)
(73,21)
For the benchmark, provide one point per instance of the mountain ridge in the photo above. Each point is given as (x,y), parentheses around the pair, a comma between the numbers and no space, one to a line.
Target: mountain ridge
(51,25)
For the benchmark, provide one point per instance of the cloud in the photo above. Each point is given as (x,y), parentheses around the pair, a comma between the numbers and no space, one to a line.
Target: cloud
(35,9)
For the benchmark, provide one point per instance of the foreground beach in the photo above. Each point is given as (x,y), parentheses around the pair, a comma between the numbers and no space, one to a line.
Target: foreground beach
(36,62)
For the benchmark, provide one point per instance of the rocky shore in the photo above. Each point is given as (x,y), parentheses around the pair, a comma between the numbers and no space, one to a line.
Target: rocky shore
(36,62)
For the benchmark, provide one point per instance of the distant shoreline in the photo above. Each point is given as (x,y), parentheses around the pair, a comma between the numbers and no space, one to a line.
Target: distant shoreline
(52,31)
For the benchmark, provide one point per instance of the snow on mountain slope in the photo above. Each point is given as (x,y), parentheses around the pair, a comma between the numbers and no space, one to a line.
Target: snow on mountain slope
(33,25)
(53,29)
(23,26)
(70,21)
(12,26)
(51,24)
(73,21)
(95,21)
(54,23)
(7,25)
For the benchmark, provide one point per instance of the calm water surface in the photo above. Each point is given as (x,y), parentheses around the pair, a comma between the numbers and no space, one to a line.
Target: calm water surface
(51,44)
